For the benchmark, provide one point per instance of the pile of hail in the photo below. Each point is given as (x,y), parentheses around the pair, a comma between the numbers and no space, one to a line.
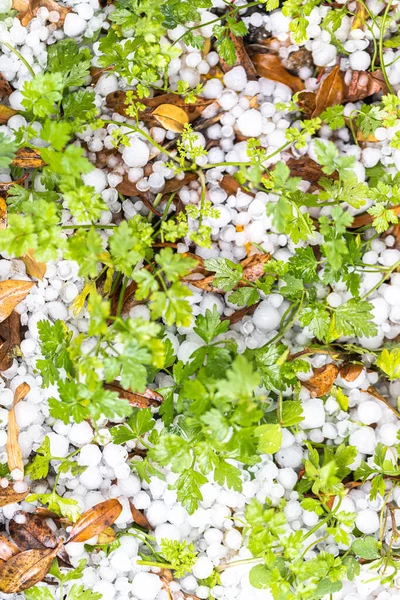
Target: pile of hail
(199,300)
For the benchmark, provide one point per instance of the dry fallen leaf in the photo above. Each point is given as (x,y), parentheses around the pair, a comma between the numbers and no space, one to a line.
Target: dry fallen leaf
(34,533)
(106,537)
(3,213)
(360,17)
(5,87)
(27,10)
(270,66)
(33,267)
(14,454)
(9,496)
(12,292)
(361,84)
(6,113)
(232,186)
(374,392)
(330,91)
(95,520)
(242,58)
(253,269)
(139,517)
(306,168)
(27,158)
(366,218)
(26,569)
(322,380)
(350,372)
(172,118)
(145,400)
(7,548)
(10,339)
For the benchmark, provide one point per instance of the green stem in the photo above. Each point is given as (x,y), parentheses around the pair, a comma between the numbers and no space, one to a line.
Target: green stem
(149,563)
(21,58)
(389,272)
(121,296)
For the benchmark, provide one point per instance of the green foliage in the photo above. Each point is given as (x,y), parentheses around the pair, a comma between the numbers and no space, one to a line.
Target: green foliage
(180,555)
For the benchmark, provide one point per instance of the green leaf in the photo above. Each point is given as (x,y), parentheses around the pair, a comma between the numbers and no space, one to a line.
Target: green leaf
(181,555)
(227,273)
(39,467)
(269,438)
(260,577)
(317,318)
(41,94)
(366,548)
(8,149)
(229,475)
(226,50)
(325,587)
(56,133)
(188,489)
(173,451)
(389,362)
(78,592)
(245,296)
(208,326)
(355,318)
(174,265)
(38,593)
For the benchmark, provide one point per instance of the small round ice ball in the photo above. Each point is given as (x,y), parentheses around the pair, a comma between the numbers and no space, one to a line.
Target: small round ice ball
(313,413)
(369,412)
(145,586)
(266,317)
(74,25)
(367,521)
(250,123)
(364,440)
(136,154)
(202,568)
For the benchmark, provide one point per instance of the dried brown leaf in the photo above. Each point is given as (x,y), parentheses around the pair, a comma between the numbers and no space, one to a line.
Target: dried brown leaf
(270,66)
(330,91)
(232,186)
(360,17)
(14,454)
(366,218)
(106,537)
(306,168)
(10,339)
(25,570)
(9,496)
(306,102)
(374,392)
(350,372)
(5,87)
(27,158)
(145,400)
(12,292)
(253,269)
(242,58)
(361,84)
(3,213)
(139,517)
(7,548)
(34,533)
(6,112)
(33,267)
(322,380)
(95,520)
(27,10)
(172,118)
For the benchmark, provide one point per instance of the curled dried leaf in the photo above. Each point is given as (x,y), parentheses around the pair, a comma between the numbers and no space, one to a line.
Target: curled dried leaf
(14,454)
(7,548)
(306,168)
(6,112)
(10,339)
(27,158)
(350,372)
(3,213)
(95,520)
(25,569)
(361,84)
(139,517)
(27,10)
(330,91)
(32,532)
(145,400)
(12,292)
(322,380)
(253,269)
(360,17)
(5,87)
(232,186)
(270,66)
(172,118)
(9,496)
(33,267)
(242,58)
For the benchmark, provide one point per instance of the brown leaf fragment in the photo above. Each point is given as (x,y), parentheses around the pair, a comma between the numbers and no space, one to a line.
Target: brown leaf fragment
(33,267)
(14,454)
(306,102)
(322,380)
(7,548)
(6,112)
(106,537)
(270,66)
(238,315)
(9,496)
(27,10)
(306,168)
(12,292)
(330,91)
(27,158)
(253,269)
(361,84)
(145,400)
(374,392)
(5,87)
(366,218)
(139,517)
(10,339)
(360,17)
(26,569)
(232,186)
(32,532)
(350,372)
(242,58)
(3,213)
(95,520)
(171,117)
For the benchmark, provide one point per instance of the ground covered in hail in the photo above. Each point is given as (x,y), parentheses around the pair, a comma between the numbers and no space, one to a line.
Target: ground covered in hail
(199,300)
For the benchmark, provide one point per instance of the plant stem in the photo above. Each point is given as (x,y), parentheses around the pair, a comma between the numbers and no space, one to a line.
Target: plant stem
(389,272)
(21,58)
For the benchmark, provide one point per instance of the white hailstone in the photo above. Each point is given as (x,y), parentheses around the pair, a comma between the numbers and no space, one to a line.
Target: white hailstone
(186,350)
(266,317)
(96,179)
(367,521)
(5,6)
(165,530)
(290,457)
(360,60)
(113,454)
(130,485)
(85,11)
(75,549)
(313,413)
(120,561)
(107,590)
(74,25)
(371,156)
(363,439)
(323,54)
(391,295)
(59,445)
(57,310)
(28,347)
(236,79)
(250,123)
(380,310)
(69,292)
(15,100)
(369,412)
(334,299)
(387,434)
(212,88)
(90,455)
(202,568)
(157,513)
(136,154)
(389,257)
(26,413)
(146,586)
(309,518)
(233,539)
(91,478)
(6,397)
(33,323)
(293,510)
(81,434)
(287,477)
